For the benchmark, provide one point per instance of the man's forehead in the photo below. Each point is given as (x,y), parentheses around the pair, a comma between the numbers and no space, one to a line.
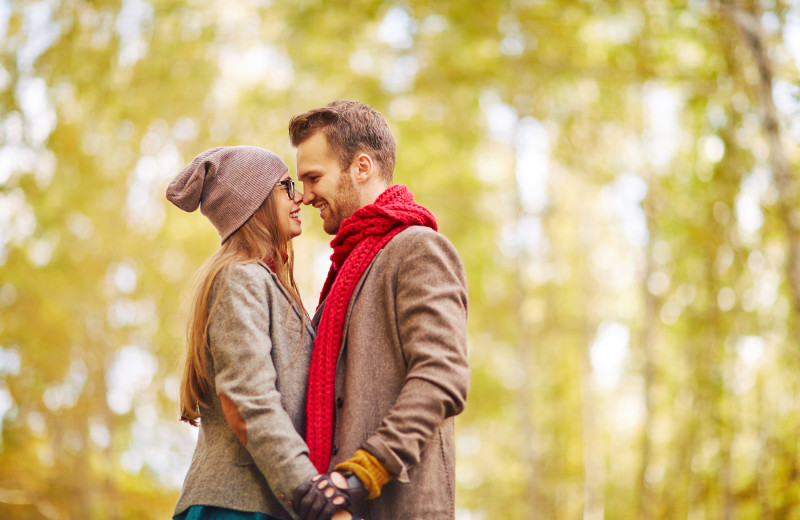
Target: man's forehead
(318,141)
(313,150)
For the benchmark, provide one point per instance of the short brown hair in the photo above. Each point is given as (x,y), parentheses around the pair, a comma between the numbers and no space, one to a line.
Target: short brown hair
(351,128)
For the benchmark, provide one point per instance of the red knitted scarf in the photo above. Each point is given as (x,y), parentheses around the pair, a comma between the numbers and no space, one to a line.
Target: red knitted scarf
(359,239)
(271,263)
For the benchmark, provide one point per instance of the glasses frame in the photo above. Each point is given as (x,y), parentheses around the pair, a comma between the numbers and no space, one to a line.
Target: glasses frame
(288,185)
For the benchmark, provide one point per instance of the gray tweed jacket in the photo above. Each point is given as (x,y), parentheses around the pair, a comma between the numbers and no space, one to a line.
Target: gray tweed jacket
(250,451)
(402,374)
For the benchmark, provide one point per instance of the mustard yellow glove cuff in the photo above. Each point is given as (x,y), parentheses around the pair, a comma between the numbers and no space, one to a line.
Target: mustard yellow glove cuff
(369,471)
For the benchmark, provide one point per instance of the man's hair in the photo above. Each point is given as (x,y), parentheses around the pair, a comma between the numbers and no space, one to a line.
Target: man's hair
(351,128)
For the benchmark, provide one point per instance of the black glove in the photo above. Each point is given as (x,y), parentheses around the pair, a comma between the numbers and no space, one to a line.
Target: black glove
(320,498)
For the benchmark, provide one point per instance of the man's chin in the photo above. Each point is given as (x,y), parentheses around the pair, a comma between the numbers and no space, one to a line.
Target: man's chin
(330,228)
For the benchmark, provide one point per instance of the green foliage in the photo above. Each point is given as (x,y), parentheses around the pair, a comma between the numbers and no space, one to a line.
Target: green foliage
(605,169)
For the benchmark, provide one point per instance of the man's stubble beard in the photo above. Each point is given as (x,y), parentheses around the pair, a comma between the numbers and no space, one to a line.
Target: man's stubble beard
(346,202)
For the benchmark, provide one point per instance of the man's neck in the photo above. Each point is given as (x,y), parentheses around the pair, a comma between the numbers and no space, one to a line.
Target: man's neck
(371,192)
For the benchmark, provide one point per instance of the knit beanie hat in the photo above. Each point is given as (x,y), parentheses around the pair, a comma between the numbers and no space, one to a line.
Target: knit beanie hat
(228,183)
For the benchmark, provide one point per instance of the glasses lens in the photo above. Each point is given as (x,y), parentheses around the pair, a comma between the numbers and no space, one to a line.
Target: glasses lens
(288,184)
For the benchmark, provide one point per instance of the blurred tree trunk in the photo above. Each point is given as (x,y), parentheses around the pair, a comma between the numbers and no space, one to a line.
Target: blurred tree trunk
(647,329)
(745,16)
(525,402)
(647,340)
(526,348)
(592,433)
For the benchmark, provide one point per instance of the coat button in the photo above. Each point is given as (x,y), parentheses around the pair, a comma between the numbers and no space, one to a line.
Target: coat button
(282,496)
(335,450)
(339,402)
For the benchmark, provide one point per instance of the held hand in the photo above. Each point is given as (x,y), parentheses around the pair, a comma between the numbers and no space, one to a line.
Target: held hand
(324,495)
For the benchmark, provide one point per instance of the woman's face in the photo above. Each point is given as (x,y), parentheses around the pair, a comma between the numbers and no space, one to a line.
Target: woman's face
(288,209)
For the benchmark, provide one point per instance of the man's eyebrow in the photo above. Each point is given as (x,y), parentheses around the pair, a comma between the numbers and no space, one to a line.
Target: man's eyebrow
(300,176)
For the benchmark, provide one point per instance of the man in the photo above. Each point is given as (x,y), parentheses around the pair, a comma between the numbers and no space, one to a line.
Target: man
(389,370)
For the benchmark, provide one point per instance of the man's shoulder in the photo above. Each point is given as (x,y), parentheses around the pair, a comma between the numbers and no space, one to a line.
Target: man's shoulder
(417,236)
(419,240)
(418,249)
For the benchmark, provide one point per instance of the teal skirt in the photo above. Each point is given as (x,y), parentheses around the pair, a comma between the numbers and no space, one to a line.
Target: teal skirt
(220,513)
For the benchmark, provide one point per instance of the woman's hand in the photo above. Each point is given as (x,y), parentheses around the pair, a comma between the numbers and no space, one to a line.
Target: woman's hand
(325,496)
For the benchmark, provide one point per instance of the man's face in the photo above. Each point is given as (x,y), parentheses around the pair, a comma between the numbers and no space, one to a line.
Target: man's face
(325,186)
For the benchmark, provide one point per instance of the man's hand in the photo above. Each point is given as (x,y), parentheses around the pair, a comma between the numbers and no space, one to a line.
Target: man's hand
(324,495)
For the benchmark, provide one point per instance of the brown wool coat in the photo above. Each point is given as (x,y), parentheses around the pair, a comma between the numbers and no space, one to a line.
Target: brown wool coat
(402,374)
(260,351)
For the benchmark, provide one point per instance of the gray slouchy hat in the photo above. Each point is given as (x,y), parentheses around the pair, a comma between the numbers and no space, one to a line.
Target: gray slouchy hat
(228,183)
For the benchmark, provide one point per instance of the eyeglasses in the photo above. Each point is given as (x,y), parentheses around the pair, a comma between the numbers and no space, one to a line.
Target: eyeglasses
(288,185)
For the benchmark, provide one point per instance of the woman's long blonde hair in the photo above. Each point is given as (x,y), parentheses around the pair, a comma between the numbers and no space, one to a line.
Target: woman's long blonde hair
(258,240)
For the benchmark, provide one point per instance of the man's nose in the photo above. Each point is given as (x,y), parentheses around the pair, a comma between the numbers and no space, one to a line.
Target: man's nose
(307,198)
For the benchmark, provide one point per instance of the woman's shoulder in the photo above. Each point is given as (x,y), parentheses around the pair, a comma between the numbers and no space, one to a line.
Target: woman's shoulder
(250,271)
(246,276)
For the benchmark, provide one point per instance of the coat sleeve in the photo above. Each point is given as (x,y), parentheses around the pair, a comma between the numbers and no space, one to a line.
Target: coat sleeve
(431,306)
(240,344)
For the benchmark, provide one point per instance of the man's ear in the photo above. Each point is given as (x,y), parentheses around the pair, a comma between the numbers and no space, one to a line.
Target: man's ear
(364,168)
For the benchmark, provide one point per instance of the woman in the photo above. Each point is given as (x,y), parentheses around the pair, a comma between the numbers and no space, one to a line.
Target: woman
(249,340)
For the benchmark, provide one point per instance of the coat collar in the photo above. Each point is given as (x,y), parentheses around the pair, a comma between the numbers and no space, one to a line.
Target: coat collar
(301,313)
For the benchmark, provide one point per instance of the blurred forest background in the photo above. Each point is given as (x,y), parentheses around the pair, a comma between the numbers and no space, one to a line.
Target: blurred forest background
(619,176)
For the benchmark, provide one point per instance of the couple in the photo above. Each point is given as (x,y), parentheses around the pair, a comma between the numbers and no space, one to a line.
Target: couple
(349,414)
